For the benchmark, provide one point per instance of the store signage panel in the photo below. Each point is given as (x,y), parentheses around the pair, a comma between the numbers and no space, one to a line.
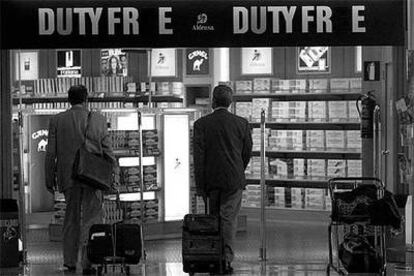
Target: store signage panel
(27,65)
(256,61)
(158,24)
(197,61)
(114,63)
(314,59)
(163,63)
(69,64)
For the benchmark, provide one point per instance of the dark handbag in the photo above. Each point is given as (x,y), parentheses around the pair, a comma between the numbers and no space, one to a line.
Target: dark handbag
(92,169)
(357,255)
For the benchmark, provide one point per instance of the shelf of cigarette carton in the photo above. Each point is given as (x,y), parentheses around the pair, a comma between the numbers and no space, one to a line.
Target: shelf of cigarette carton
(126,153)
(350,96)
(311,125)
(302,182)
(137,99)
(311,154)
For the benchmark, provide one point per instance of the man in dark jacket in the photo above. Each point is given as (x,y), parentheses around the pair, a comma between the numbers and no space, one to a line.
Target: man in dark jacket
(222,149)
(83,203)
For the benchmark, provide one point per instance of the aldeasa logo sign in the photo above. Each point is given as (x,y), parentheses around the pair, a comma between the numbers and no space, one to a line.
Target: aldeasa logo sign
(40,137)
(201,24)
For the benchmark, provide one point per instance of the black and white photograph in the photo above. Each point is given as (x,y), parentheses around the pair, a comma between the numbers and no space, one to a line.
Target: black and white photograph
(207,137)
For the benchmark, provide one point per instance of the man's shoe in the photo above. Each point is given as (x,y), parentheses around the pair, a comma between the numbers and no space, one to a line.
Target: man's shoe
(89,271)
(69,268)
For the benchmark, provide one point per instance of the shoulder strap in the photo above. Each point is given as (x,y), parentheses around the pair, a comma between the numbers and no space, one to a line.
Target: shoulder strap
(87,125)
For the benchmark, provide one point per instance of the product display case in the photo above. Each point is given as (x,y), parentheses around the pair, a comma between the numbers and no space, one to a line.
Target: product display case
(312,134)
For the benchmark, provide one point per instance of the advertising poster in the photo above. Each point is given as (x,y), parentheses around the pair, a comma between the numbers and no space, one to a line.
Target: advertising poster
(27,62)
(41,199)
(69,64)
(114,63)
(197,60)
(257,61)
(163,62)
(314,59)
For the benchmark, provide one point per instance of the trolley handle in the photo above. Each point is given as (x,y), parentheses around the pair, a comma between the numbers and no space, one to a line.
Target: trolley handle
(333,182)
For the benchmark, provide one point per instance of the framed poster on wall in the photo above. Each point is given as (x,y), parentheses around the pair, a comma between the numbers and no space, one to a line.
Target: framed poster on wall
(114,63)
(69,63)
(313,59)
(27,65)
(197,61)
(163,62)
(256,61)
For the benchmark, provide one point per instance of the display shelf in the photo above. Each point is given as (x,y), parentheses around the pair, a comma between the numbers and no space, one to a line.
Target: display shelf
(138,99)
(314,182)
(311,154)
(310,125)
(350,96)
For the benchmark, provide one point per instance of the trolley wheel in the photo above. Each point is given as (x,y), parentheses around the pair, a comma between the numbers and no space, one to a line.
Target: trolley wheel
(127,270)
(99,270)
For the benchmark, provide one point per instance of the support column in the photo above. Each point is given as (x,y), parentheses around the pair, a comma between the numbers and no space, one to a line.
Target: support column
(6,170)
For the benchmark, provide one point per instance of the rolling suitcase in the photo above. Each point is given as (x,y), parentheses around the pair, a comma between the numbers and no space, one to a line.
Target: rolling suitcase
(128,242)
(202,243)
(100,243)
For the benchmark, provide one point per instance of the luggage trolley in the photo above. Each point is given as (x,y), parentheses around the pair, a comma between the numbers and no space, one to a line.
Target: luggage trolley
(344,217)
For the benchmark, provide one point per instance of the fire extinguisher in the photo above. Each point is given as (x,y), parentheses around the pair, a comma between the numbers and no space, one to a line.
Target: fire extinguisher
(366,113)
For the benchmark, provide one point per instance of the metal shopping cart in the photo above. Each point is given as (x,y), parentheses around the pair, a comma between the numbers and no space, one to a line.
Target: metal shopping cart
(350,228)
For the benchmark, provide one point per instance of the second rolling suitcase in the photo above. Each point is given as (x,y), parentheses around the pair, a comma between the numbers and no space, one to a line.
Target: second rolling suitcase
(202,244)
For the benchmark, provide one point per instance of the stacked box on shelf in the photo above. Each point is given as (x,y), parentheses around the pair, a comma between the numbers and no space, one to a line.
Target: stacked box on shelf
(353,114)
(256,138)
(299,167)
(279,196)
(279,111)
(255,166)
(337,111)
(339,85)
(353,140)
(257,105)
(298,85)
(150,142)
(335,139)
(261,85)
(163,88)
(123,139)
(318,85)
(314,198)
(316,167)
(177,88)
(317,111)
(151,210)
(315,140)
(354,168)
(280,168)
(355,84)
(59,208)
(112,212)
(336,168)
(133,211)
(244,109)
(286,139)
(150,177)
(130,179)
(45,87)
(244,87)
(253,196)
(296,198)
(297,111)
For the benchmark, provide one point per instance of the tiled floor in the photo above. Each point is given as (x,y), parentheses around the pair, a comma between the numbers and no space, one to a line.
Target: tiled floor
(294,247)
